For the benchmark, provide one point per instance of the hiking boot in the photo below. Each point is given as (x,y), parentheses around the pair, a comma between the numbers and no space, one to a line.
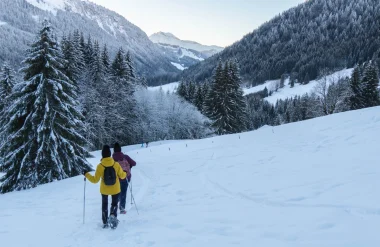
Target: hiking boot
(123,211)
(105,226)
(113,221)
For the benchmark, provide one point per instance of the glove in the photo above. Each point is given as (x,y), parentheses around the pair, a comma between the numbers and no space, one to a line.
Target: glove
(84,173)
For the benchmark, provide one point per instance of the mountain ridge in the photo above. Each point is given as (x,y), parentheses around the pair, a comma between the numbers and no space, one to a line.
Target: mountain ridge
(171,39)
(183,53)
(23,19)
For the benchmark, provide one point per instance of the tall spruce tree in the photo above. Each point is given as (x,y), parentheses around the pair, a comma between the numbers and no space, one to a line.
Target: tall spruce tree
(96,100)
(131,68)
(122,90)
(43,141)
(211,109)
(6,85)
(356,89)
(182,90)
(240,104)
(282,81)
(225,104)
(191,90)
(370,84)
(106,59)
(199,98)
(74,63)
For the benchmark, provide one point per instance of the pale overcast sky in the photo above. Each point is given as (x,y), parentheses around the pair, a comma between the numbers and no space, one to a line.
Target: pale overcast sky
(209,22)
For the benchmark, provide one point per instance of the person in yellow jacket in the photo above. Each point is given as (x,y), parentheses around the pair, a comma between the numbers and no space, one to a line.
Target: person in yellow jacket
(108,190)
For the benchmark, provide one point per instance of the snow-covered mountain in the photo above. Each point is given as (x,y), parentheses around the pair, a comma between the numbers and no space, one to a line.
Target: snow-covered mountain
(184,52)
(21,19)
(312,183)
(170,39)
(304,40)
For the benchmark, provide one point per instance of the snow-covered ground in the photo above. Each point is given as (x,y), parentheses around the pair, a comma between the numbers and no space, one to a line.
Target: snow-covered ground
(297,90)
(168,38)
(187,53)
(313,183)
(171,87)
(178,66)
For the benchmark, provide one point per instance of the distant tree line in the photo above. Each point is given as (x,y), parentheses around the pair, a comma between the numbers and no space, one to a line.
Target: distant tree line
(330,96)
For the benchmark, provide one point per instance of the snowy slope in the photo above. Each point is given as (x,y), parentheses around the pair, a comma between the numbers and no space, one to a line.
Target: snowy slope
(178,66)
(311,183)
(297,90)
(170,39)
(171,87)
(184,53)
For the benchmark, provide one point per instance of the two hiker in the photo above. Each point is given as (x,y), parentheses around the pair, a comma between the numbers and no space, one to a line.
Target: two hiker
(115,174)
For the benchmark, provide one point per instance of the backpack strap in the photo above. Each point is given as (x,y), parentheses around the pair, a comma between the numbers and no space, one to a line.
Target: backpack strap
(105,167)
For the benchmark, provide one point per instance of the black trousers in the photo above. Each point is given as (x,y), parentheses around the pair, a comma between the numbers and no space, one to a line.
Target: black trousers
(113,210)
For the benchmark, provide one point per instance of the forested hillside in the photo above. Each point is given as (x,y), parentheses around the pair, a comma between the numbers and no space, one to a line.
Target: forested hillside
(302,41)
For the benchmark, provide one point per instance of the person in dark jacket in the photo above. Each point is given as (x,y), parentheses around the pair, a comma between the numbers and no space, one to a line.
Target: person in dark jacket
(126,163)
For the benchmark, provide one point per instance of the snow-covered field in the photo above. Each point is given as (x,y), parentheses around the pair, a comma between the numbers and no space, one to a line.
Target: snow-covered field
(298,89)
(171,87)
(313,183)
(178,66)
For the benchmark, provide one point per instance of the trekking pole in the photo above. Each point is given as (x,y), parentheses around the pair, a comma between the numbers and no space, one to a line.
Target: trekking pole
(84,199)
(130,187)
(132,198)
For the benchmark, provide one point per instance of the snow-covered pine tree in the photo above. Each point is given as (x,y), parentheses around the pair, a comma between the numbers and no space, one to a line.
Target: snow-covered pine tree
(43,142)
(74,63)
(88,51)
(96,99)
(106,59)
(356,90)
(182,90)
(370,83)
(6,85)
(205,90)
(282,81)
(240,104)
(131,68)
(307,79)
(6,88)
(191,90)
(292,80)
(199,98)
(224,105)
(119,66)
(122,91)
(213,108)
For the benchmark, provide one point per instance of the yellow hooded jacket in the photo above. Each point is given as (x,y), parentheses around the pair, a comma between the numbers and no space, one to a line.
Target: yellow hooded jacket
(99,173)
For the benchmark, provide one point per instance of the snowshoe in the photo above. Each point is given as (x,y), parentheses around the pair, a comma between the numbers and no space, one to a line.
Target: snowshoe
(123,211)
(113,221)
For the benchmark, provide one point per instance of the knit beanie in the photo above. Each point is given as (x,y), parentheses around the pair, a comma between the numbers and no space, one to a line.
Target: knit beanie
(106,152)
(116,147)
